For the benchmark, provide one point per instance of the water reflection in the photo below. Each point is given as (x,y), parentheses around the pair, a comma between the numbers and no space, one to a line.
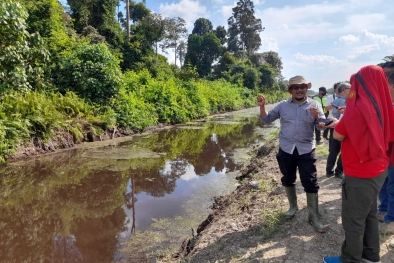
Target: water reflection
(76,206)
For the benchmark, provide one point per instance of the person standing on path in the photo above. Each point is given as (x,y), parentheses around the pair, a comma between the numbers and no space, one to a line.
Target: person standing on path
(386,195)
(365,130)
(298,116)
(329,101)
(343,90)
(322,100)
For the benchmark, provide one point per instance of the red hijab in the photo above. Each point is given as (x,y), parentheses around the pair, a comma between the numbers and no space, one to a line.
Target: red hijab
(369,117)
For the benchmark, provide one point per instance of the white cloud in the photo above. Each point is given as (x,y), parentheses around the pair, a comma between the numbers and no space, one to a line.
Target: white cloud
(362,50)
(187,9)
(349,39)
(381,39)
(227,11)
(360,22)
(319,59)
(269,44)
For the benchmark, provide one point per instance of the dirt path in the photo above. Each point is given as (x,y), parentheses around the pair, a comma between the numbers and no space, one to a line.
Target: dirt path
(248,226)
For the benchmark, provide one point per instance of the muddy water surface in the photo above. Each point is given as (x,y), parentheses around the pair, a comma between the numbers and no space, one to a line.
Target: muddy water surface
(105,201)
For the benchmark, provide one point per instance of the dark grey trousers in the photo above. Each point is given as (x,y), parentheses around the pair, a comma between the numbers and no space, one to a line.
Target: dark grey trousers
(359,207)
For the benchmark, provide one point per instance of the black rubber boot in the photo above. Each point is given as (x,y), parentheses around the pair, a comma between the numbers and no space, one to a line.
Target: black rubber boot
(313,218)
(292,197)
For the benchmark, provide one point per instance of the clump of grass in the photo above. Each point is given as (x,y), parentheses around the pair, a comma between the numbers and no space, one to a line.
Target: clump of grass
(273,219)
(322,150)
(243,203)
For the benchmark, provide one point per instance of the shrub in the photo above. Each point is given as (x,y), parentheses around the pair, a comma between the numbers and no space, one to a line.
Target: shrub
(92,72)
(133,112)
(21,54)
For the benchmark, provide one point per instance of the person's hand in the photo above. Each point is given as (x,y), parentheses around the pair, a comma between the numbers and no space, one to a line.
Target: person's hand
(261,100)
(314,113)
(333,124)
(341,109)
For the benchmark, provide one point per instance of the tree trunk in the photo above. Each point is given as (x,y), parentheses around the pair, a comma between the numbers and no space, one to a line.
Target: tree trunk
(175,52)
(128,19)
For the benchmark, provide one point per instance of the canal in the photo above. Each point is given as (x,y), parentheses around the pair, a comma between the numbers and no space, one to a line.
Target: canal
(104,201)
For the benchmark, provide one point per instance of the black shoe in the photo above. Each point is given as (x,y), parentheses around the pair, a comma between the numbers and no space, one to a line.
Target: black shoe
(329,174)
(318,142)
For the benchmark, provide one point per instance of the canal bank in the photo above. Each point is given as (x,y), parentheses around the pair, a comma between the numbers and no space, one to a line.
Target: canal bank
(247,225)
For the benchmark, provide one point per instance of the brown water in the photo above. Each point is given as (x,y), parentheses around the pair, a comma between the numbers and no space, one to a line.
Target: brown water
(102,201)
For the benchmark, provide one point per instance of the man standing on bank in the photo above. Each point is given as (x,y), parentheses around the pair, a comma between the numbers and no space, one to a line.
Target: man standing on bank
(320,97)
(339,103)
(299,116)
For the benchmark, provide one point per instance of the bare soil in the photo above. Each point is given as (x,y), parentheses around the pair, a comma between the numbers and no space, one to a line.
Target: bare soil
(248,225)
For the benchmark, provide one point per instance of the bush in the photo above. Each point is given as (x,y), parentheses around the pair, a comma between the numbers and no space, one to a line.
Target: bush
(21,54)
(92,72)
(133,112)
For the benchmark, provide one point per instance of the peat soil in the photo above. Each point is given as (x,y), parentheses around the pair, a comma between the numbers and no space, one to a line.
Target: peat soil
(248,224)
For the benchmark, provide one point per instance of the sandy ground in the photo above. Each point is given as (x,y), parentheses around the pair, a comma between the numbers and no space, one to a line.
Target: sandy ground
(248,226)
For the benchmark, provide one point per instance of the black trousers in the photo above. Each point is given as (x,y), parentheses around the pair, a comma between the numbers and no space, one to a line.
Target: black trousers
(334,150)
(306,164)
(359,208)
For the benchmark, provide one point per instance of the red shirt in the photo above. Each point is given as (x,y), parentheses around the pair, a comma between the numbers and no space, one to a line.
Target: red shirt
(351,163)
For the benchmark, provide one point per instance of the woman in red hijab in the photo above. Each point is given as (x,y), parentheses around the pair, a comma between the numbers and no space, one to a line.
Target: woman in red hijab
(365,131)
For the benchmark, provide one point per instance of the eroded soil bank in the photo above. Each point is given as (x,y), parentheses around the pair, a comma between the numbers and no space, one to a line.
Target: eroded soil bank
(65,140)
(247,225)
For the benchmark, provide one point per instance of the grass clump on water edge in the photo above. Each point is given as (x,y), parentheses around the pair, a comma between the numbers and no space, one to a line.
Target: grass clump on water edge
(37,115)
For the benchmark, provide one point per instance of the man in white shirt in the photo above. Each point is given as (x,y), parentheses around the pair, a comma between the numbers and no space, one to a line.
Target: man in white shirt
(329,101)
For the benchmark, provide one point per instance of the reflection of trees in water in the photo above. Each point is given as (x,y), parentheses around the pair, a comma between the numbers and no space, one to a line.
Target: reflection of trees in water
(81,209)
(68,196)
(65,251)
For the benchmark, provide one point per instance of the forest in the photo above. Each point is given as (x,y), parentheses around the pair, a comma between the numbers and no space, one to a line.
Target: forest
(84,67)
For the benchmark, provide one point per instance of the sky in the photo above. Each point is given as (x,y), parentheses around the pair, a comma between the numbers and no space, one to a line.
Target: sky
(325,41)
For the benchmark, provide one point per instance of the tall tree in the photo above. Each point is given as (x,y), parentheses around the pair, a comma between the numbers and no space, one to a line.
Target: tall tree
(128,20)
(202,26)
(138,11)
(152,27)
(273,59)
(221,33)
(99,14)
(181,50)
(244,28)
(175,32)
(202,51)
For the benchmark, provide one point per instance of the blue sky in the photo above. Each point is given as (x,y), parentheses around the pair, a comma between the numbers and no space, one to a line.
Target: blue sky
(326,41)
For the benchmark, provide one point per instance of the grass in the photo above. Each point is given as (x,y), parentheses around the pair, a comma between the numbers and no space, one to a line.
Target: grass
(241,204)
(273,218)
(273,134)
(322,150)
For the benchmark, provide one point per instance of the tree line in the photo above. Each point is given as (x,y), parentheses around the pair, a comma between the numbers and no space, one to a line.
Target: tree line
(87,67)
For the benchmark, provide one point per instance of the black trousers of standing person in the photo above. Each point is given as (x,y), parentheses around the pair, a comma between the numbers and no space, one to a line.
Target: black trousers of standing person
(359,208)
(325,134)
(334,150)
(306,164)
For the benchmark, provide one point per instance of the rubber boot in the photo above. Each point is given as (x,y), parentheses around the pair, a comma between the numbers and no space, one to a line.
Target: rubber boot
(292,197)
(313,218)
